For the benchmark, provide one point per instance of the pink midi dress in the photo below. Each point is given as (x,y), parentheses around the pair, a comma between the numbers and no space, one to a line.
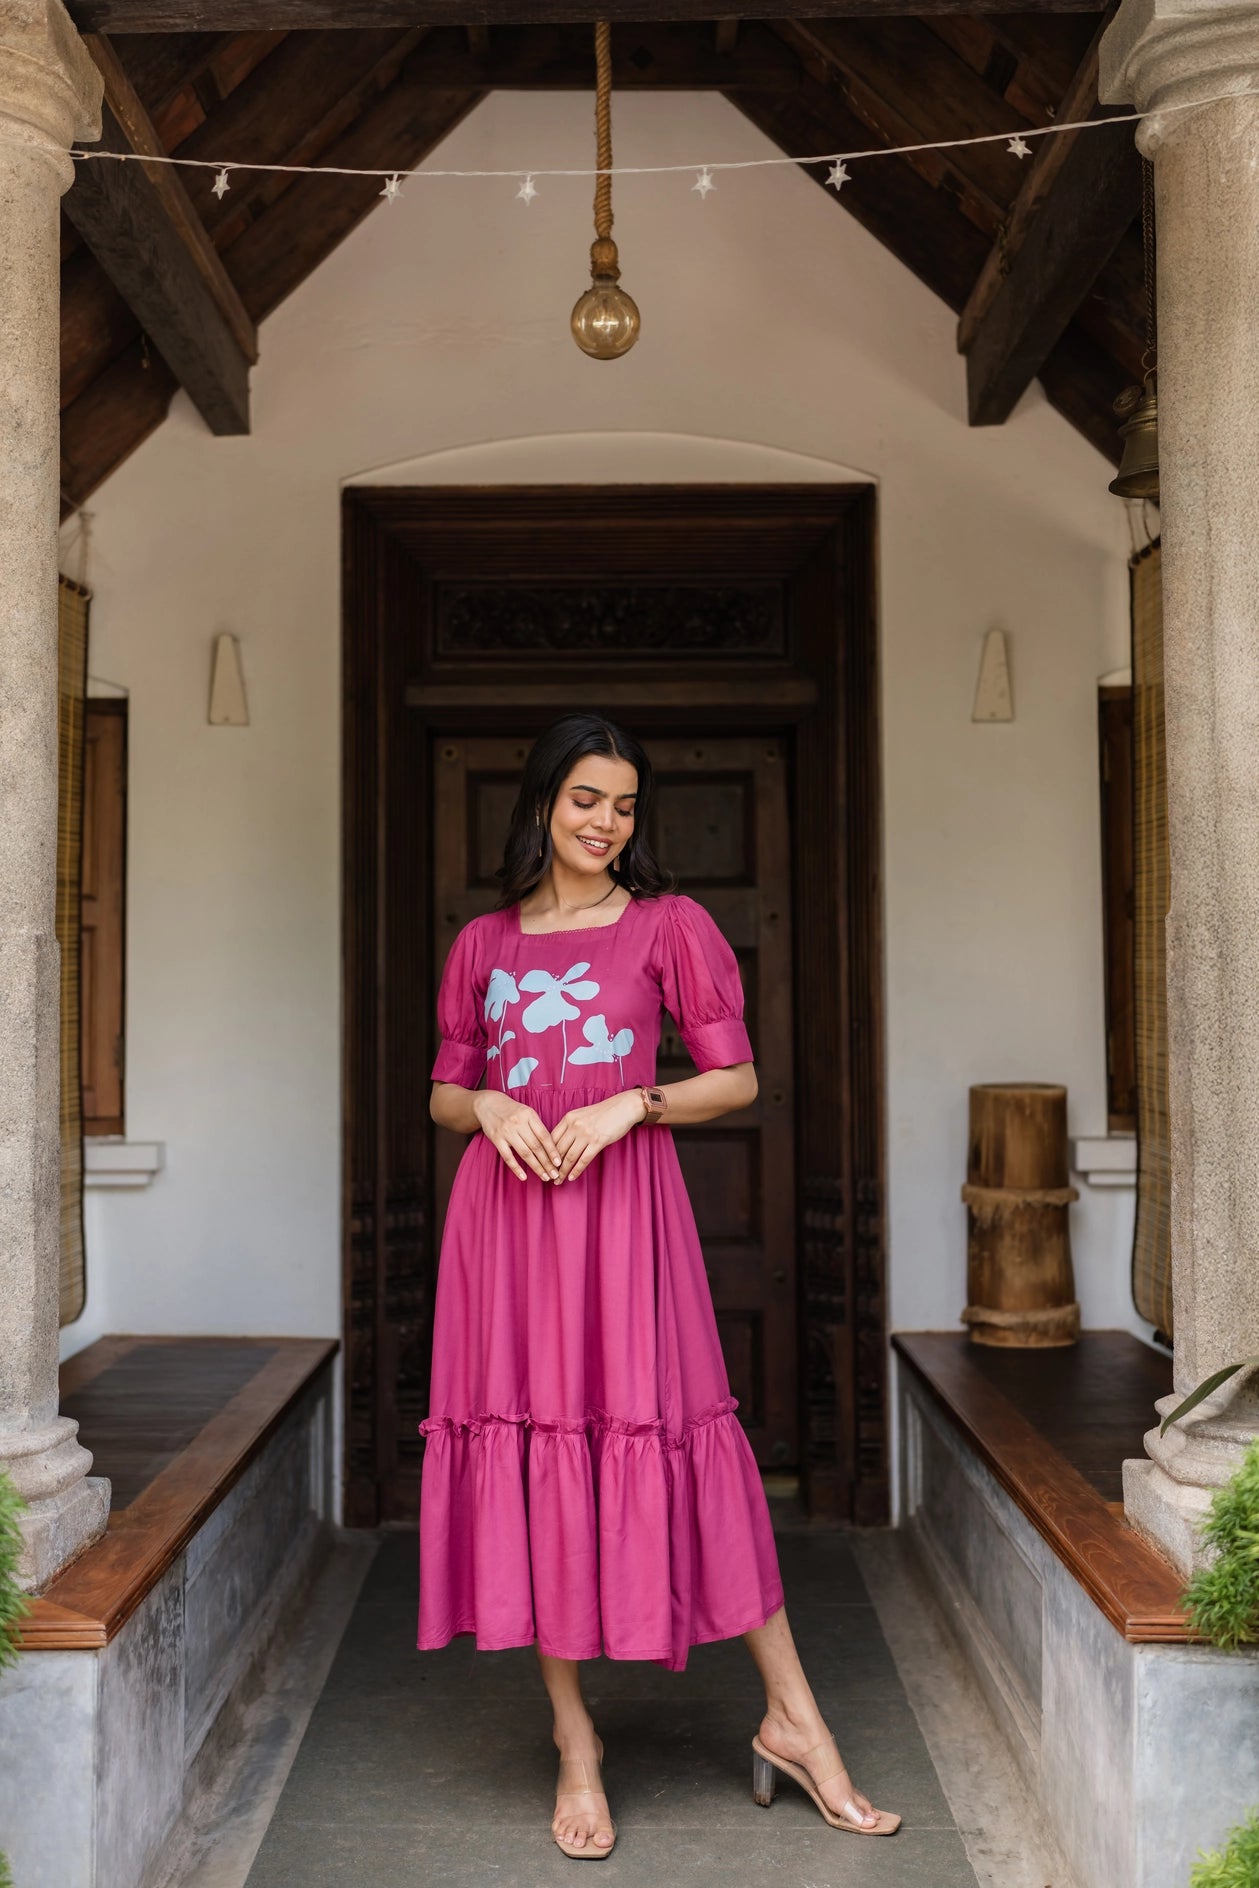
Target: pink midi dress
(586,1482)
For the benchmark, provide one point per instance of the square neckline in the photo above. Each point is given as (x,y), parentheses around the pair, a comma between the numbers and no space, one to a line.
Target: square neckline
(574,930)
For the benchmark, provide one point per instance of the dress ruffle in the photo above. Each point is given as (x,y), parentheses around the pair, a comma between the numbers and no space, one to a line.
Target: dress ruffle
(599,1535)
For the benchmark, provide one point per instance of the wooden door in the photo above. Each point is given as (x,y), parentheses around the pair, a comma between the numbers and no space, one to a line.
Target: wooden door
(726,622)
(720,825)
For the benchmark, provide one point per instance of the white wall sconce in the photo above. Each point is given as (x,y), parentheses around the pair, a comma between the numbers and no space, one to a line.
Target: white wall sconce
(228,707)
(994,700)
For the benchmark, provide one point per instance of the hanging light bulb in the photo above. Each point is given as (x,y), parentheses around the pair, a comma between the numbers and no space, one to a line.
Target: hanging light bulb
(606,320)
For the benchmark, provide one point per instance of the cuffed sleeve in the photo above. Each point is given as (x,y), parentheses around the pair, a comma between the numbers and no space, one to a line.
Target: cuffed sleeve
(699,982)
(461,1055)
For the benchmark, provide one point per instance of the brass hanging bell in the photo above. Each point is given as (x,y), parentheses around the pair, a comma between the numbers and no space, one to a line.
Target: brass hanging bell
(1137,476)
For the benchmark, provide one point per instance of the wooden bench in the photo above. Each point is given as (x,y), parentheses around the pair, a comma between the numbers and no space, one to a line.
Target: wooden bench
(174,1422)
(1054,1427)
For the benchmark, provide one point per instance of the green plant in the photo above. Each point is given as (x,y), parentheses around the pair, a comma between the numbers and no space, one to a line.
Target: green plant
(1234,1866)
(1204,1389)
(1222,1598)
(13,1602)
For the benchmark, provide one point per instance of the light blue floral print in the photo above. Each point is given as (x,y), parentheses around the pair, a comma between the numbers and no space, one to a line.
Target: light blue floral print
(519,1075)
(600,1046)
(557,1002)
(501,991)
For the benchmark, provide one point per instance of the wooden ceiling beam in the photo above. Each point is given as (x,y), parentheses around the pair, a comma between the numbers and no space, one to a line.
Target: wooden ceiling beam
(921,226)
(278,250)
(302,97)
(1078,200)
(291,237)
(139,223)
(905,82)
(239,16)
(671,57)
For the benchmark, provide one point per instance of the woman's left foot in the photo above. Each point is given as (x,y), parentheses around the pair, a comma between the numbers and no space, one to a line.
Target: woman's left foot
(813,1749)
(582,1826)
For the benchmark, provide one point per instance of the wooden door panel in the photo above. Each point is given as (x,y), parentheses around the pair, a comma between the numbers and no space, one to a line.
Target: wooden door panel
(721,826)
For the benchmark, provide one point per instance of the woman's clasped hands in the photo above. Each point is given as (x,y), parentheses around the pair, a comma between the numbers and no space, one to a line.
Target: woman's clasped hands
(519,1134)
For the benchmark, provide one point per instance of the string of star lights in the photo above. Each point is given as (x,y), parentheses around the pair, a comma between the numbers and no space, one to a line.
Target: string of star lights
(1018,144)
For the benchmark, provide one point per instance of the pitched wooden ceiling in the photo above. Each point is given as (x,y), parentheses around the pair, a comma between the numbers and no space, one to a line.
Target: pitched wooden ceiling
(1042,262)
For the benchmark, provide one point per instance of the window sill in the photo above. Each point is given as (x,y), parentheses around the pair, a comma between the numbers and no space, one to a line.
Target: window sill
(1105,1160)
(110,1161)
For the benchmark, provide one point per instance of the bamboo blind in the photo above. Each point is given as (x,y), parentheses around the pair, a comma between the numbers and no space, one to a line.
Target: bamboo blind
(1151,1251)
(72,614)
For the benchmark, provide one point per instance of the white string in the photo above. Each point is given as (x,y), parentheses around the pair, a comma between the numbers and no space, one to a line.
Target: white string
(666,170)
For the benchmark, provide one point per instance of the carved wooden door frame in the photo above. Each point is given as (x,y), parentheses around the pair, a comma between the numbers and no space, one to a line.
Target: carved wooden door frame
(800,658)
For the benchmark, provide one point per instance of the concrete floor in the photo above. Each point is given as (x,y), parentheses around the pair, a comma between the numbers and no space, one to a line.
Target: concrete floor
(358,1760)
(437,1767)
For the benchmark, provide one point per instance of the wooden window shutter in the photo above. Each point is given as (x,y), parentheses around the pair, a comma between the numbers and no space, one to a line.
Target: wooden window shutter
(103,916)
(1115,732)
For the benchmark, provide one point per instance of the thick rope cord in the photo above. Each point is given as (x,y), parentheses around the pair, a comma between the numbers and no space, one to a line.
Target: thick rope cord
(603,128)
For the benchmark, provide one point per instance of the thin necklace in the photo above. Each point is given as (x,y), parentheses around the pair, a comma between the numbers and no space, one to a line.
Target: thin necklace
(597,901)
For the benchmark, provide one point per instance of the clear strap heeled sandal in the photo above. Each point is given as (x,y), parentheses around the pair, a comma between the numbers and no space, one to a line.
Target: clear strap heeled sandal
(767,1763)
(578,1778)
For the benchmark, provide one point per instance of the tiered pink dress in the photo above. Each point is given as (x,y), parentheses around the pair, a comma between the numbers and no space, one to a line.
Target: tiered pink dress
(586,1483)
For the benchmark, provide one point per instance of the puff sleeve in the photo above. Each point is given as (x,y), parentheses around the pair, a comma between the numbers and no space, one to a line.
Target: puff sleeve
(461,1057)
(699,982)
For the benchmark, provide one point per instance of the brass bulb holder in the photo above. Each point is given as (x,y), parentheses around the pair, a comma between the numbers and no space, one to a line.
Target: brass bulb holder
(1137,476)
(605,320)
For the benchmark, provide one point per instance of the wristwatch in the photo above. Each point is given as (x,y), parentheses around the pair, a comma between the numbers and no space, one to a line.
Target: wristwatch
(655,1101)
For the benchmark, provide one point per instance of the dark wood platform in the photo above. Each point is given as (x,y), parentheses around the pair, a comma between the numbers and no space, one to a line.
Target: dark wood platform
(173,1422)
(1054,1426)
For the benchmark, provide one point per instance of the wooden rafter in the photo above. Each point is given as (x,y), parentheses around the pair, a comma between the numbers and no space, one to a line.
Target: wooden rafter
(139,223)
(905,83)
(288,238)
(290,109)
(282,246)
(1077,201)
(238,16)
(670,56)
(921,225)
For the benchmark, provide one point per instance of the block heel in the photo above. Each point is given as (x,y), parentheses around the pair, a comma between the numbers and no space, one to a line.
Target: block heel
(764,1779)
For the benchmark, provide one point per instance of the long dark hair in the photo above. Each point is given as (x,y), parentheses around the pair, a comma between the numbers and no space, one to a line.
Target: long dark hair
(553,756)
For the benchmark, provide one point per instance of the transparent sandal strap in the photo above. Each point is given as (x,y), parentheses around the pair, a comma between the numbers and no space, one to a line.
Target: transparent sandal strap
(570,1767)
(820,1777)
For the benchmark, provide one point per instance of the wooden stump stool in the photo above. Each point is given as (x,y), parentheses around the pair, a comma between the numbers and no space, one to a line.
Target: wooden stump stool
(1019,1276)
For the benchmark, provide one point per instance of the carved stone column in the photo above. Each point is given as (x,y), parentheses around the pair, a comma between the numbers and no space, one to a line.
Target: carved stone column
(49,95)
(1165,56)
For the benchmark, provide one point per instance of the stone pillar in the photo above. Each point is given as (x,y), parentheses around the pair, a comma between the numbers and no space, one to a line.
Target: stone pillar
(1163,56)
(49,95)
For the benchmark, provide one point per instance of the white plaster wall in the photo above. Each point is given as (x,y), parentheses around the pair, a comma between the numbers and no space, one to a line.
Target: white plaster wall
(779,342)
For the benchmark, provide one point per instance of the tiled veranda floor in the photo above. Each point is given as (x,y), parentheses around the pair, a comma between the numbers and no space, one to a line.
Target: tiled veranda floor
(437,1768)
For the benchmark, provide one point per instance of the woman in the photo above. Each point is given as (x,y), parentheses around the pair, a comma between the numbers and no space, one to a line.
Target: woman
(586,1484)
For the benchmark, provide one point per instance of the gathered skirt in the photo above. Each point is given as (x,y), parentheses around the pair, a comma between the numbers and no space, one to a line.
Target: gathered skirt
(586,1482)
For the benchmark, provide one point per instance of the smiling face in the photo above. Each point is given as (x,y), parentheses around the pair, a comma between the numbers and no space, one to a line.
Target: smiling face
(593,816)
